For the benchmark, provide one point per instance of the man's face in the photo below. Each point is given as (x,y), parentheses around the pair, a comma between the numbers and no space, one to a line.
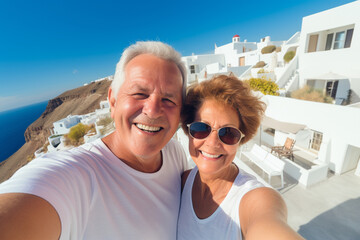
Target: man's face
(147,109)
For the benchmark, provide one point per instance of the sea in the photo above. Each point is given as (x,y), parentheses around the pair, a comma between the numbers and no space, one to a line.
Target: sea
(13,124)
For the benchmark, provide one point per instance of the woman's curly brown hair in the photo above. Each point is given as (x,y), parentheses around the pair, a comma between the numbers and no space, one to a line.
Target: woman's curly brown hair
(230,91)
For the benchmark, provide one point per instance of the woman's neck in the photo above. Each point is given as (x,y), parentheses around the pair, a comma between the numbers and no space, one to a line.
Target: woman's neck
(209,192)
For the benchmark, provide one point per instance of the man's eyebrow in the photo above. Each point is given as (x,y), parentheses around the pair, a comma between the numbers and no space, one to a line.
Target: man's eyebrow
(139,87)
(145,89)
(169,95)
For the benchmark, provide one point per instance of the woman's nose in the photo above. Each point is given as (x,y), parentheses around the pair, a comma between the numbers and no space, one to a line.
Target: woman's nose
(213,138)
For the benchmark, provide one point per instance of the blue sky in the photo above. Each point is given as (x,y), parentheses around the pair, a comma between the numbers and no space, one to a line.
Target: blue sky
(48,47)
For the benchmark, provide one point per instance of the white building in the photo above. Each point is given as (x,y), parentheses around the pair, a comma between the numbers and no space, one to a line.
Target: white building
(327,59)
(104,110)
(63,126)
(329,52)
(239,58)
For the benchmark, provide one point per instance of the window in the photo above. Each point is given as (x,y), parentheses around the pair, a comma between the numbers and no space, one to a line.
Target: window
(331,88)
(349,34)
(61,125)
(192,69)
(316,140)
(339,40)
(329,39)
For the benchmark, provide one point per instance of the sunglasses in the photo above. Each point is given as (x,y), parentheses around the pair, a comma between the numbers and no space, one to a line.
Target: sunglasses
(227,135)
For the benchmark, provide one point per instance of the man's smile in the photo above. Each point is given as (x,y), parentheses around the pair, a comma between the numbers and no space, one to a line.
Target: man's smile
(148,128)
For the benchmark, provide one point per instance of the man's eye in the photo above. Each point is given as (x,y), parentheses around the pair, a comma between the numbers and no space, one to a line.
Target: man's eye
(169,101)
(139,95)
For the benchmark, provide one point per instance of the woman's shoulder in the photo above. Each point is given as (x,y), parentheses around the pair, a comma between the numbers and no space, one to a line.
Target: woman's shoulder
(184,177)
(261,197)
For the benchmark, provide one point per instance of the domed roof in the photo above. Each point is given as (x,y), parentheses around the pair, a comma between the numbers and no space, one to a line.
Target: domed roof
(236,36)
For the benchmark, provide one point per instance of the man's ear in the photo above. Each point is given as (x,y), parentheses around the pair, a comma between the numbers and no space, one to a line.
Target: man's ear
(112,101)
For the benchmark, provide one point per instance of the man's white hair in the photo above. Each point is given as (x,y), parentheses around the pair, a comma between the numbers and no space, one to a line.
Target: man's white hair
(155,48)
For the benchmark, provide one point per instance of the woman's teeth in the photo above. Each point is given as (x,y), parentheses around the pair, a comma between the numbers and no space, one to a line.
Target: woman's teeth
(210,155)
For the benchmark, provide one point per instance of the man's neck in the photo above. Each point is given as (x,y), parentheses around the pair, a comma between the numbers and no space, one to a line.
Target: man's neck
(146,164)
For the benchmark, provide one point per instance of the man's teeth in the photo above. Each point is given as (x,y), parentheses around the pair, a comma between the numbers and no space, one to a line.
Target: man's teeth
(210,155)
(148,128)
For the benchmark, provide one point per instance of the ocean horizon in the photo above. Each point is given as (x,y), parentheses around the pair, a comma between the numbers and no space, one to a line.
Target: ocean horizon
(13,124)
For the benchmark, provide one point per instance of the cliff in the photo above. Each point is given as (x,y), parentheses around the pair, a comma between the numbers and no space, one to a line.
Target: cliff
(77,101)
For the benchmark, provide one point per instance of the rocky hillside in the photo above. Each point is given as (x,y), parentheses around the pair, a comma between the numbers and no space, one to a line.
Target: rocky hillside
(80,100)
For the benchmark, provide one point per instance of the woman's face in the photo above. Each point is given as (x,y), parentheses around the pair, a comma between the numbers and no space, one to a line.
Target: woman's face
(210,154)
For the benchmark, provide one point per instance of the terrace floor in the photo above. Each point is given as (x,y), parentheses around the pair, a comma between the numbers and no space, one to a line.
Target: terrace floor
(327,210)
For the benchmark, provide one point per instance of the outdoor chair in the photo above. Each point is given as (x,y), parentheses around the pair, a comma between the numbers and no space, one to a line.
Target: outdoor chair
(286,150)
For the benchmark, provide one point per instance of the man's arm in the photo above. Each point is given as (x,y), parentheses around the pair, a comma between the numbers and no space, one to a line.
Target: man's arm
(263,215)
(26,216)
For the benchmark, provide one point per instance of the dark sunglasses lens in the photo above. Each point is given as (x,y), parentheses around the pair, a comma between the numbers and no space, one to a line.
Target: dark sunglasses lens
(199,130)
(229,135)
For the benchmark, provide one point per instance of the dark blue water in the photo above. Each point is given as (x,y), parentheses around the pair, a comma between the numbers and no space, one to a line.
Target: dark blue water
(13,124)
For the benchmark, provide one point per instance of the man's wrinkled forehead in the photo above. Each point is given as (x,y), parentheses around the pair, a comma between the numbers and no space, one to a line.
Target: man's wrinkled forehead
(148,69)
(134,59)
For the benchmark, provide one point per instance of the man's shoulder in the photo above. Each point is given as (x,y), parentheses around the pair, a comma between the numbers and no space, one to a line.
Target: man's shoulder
(75,155)
(173,145)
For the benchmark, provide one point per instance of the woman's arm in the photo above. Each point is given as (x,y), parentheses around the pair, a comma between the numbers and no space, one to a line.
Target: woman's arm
(26,216)
(263,215)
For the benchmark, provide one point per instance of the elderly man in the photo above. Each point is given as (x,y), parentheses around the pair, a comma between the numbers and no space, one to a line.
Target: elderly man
(124,186)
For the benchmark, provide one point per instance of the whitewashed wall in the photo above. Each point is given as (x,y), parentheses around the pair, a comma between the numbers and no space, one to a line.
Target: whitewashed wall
(343,61)
(339,125)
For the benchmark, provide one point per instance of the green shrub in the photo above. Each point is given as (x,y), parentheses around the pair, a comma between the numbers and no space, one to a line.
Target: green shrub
(105,121)
(268,49)
(289,56)
(261,70)
(76,134)
(259,64)
(107,124)
(310,94)
(263,85)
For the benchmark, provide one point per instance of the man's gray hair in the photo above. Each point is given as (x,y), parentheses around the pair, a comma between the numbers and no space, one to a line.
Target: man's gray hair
(158,49)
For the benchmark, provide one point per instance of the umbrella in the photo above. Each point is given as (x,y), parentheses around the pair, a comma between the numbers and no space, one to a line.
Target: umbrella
(330,76)
(282,126)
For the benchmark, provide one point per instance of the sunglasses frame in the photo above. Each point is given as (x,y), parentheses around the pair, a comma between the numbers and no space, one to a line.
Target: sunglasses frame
(215,129)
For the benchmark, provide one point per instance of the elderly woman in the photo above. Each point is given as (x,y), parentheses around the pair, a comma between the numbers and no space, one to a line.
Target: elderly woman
(219,200)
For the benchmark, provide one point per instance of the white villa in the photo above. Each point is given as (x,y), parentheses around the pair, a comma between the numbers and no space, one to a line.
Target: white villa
(236,57)
(326,58)
(328,51)
(63,126)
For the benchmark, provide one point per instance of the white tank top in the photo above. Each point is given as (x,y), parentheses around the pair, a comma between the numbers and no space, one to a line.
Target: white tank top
(224,223)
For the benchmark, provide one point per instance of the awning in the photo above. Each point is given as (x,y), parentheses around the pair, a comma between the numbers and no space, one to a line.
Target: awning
(330,76)
(282,126)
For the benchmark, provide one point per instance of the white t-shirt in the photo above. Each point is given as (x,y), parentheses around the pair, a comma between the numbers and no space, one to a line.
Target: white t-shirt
(224,223)
(97,196)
